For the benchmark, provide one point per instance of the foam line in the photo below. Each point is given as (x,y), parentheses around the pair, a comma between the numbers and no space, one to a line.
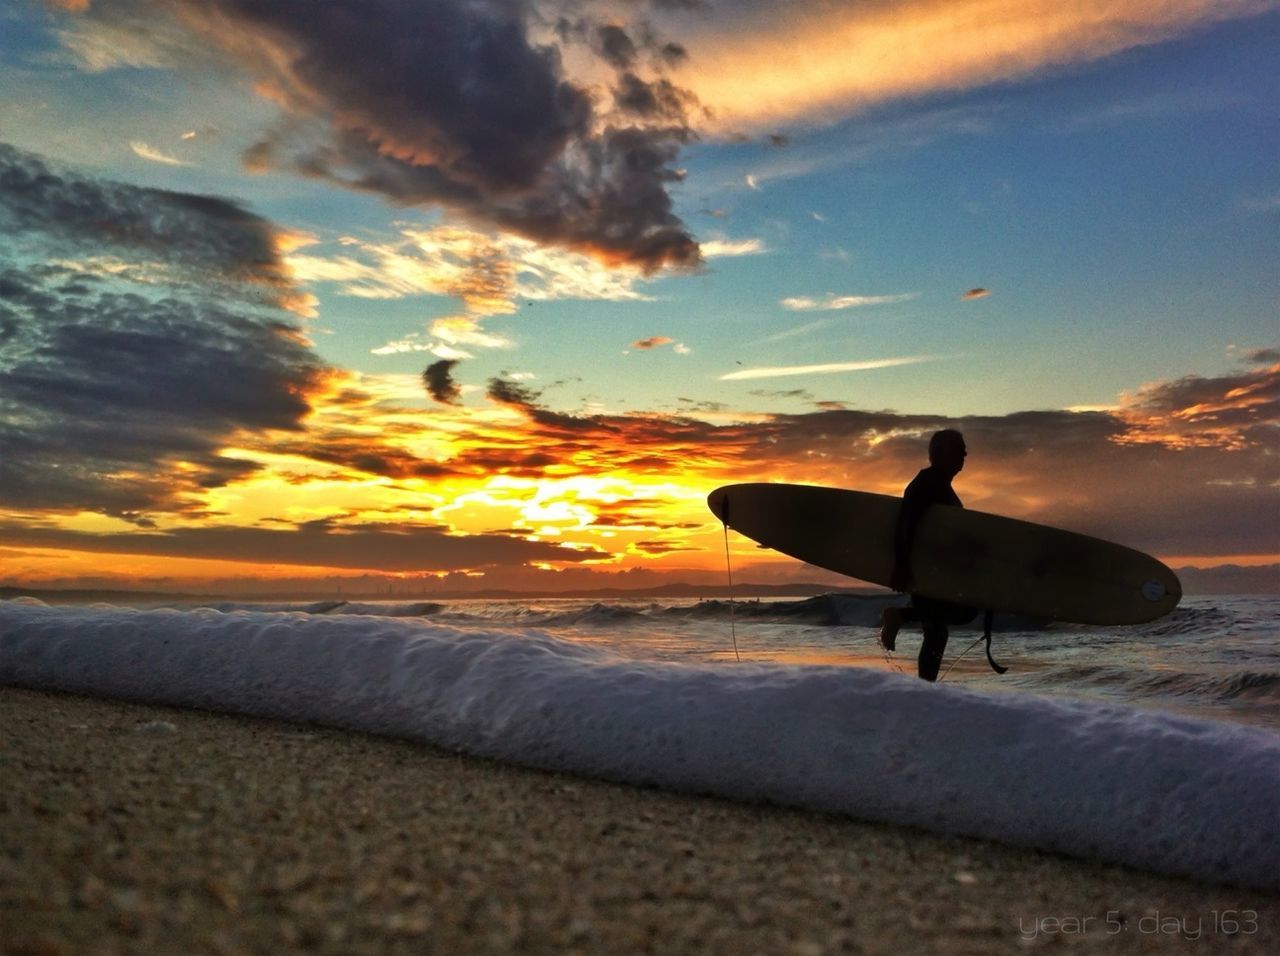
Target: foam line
(1152,790)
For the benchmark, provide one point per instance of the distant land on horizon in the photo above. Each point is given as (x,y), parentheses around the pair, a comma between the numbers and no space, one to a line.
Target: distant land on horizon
(1225,579)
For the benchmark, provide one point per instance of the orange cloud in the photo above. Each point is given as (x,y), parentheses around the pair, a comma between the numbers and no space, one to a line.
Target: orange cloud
(652,342)
(835,59)
(1232,412)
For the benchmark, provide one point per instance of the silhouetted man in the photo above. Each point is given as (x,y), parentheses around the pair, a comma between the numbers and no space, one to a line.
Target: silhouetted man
(932,486)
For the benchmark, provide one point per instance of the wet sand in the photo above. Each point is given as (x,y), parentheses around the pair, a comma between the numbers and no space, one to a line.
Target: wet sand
(137,829)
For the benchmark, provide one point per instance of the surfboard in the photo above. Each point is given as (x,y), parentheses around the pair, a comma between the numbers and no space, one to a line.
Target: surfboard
(970,557)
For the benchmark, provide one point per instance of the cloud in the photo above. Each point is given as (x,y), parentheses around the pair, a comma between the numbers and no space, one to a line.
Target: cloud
(1111,473)
(133,36)
(486,270)
(794,332)
(413,342)
(723,248)
(442,103)
(826,369)
(1232,412)
(658,341)
(777,64)
(117,396)
(657,100)
(1164,103)
(653,342)
(1264,204)
(197,239)
(833,303)
(1181,467)
(372,547)
(154,155)
(464,330)
(438,379)
(978,293)
(616,46)
(489,273)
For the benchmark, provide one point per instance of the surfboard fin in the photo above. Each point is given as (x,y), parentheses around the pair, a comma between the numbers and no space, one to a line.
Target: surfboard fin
(987,617)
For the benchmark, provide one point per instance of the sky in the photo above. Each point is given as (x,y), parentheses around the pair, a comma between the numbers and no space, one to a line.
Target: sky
(493,293)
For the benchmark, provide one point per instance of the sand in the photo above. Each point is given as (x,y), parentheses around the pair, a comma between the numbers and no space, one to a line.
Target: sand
(137,829)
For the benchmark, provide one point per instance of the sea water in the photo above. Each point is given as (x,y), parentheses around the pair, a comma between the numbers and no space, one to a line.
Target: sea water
(1156,745)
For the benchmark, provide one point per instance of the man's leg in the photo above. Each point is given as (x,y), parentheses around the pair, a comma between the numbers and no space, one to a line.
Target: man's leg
(891,621)
(931,651)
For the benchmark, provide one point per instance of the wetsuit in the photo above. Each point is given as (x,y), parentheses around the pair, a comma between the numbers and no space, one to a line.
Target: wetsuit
(930,487)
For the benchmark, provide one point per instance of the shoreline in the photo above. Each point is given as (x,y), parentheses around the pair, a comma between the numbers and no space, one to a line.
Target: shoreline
(138,828)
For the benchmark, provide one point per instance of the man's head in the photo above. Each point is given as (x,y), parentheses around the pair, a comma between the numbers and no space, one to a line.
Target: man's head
(947,451)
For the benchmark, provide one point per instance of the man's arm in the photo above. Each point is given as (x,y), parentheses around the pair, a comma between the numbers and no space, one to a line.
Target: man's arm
(915,502)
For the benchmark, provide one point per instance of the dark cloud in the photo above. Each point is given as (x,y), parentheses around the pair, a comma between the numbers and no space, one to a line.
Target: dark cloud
(637,513)
(506,392)
(778,140)
(658,100)
(438,379)
(606,197)
(373,547)
(978,293)
(203,238)
(616,46)
(557,426)
(458,86)
(115,396)
(673,54)
(658,546)
(681,4)
(698,405)
(449,103)
(800,393)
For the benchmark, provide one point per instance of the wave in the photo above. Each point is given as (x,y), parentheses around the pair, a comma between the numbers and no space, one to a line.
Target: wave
(1223,686)
(1148,789)
(596,614)
(370,609)
(825,610)
(1254,685)
(1190,621)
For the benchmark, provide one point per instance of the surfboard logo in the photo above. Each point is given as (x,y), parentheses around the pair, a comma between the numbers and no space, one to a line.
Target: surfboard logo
(1154,591)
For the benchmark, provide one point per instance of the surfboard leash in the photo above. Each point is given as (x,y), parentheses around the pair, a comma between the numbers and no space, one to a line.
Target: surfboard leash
(987,616)
(889,658)
(728,569)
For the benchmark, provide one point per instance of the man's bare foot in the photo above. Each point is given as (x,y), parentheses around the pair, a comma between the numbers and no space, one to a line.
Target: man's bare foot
(890,624)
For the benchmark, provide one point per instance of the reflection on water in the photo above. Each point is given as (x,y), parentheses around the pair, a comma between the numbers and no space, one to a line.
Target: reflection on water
(1212,657)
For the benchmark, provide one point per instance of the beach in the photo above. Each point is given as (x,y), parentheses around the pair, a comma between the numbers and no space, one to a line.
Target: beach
(130,828)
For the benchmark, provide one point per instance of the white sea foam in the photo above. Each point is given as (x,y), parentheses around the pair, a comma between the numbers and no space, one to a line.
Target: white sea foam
(1149,789)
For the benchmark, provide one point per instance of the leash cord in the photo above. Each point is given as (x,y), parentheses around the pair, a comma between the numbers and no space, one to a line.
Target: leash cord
(728,568)
(956,659)
(987,619)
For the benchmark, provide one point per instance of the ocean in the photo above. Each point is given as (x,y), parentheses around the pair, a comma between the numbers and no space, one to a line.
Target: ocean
(1157,745)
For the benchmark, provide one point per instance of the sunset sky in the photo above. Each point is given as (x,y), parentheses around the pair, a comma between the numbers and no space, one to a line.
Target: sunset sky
(499,290)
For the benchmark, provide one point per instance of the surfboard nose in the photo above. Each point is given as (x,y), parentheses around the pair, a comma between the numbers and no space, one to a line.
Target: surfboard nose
(718,502)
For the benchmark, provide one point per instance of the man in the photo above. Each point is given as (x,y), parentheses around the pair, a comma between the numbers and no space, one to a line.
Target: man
(932,486)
